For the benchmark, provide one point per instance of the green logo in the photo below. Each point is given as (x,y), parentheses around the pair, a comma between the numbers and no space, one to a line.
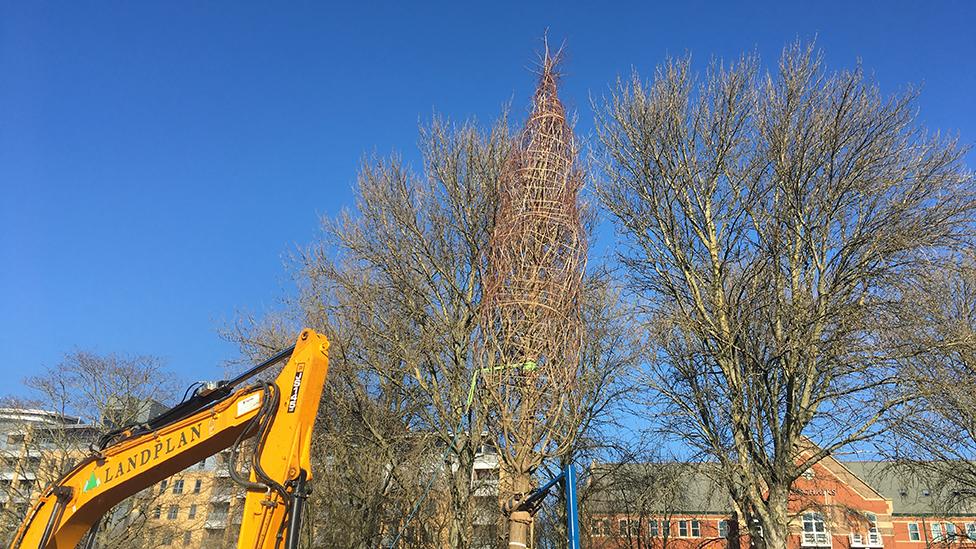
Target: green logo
(91,484)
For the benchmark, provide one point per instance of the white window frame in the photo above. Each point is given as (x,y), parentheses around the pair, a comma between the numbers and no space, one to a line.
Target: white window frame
(936,529)
(723,525)
(683,529)
(874,535)
(817,535)
(914,533)
(950,531)
(652,525)
(695,528)
(971,530)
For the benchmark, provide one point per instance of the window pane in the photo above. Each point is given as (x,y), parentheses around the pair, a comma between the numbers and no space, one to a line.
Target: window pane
(695,529)
(723,528)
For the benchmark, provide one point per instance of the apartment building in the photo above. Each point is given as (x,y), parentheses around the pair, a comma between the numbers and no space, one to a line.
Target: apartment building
(198,507)
(35,447)
(834,505)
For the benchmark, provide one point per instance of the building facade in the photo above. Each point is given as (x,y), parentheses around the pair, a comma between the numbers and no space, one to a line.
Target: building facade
(834,505)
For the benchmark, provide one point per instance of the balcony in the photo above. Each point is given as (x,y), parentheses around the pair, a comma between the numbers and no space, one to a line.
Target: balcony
(873,539)
(215,522)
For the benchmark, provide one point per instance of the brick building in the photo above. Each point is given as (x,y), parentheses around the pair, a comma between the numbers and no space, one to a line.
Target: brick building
(835,505)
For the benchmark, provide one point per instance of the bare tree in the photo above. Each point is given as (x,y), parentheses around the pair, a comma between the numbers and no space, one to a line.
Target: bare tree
(533,294)
(935,437)
(637,501)
(767,218)
(610,352)
(397,284)
(85,396)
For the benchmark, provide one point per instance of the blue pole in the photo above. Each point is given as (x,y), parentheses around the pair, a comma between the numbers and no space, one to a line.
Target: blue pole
(572,515)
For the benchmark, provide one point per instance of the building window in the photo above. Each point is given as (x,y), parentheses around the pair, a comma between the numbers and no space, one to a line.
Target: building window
(654,531)
(186,537)
(815,531)
(601,528)
(808,474)
(682,528)
(193,511)
(971,530)
(196,486)
(913,533)
(163,485)
(173,512)
(157,512)
(936,531)
(950,530)
(723,529)
(695,529)
(178,486)
(202,464)
(628,527)
(874,535)
(167,538)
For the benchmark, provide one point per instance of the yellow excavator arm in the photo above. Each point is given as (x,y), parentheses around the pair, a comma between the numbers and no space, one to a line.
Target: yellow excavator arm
(278,415)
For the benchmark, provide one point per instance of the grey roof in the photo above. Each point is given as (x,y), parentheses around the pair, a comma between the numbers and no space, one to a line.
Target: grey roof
(910,494)
(690,488)
(657,488)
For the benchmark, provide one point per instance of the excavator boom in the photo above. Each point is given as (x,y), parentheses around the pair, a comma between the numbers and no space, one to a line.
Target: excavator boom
(278,416)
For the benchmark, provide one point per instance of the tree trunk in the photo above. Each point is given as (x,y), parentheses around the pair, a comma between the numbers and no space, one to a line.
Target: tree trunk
(519,521)
(775,521)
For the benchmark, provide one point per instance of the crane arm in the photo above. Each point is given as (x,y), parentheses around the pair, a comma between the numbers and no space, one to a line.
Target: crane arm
(280,415)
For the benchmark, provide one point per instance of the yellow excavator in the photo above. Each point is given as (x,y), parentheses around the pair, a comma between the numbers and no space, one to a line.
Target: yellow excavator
(279,415)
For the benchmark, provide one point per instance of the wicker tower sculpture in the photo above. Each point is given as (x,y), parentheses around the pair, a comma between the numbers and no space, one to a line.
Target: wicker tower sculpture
(531,314)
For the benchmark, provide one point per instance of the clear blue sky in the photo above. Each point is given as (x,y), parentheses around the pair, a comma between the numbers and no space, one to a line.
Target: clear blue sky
(158,159)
